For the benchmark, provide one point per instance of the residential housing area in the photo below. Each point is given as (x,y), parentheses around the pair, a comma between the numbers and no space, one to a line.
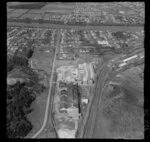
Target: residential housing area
(75,70)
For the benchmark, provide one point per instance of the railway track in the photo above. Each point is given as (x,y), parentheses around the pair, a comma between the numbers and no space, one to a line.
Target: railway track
(91,122)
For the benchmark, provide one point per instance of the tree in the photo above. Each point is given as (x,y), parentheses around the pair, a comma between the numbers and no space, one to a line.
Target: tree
(17,109)
(23,127)
(20,97)
(19,61)
(10,64)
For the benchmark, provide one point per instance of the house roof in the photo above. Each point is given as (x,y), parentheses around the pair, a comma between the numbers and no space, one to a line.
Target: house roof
(64,92)
(63,105)
(64,98)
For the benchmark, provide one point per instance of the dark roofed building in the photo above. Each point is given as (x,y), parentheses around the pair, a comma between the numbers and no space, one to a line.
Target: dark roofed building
(64,98)
(64,105)
(62,84)
(64,92)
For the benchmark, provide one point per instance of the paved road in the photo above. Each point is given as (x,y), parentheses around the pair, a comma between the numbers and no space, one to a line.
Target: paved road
(49,98)
(101,27)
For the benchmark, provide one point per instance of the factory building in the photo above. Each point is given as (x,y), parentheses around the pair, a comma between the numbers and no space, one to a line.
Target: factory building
(81,75)
(68,106)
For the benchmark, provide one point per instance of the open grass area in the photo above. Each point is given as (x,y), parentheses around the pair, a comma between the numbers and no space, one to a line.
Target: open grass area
(37,116)
(122,109)
(119,112)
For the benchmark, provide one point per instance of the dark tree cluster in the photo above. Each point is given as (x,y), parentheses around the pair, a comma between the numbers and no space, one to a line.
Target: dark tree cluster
(19,100)
(20,97)
(15,61)
(121,35)
(47,37)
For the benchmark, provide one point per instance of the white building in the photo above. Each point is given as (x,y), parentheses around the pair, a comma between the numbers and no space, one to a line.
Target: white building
(83,73)
(104,42)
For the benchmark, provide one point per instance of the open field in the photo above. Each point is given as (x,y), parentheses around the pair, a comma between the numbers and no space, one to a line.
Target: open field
(129,123)
(37,116)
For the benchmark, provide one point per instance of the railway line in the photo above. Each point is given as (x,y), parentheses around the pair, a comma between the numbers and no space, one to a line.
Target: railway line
(91,121)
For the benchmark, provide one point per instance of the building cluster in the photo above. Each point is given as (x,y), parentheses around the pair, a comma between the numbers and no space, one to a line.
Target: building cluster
(68,97)
(67,109)
(84,13)
(125,40)
(22,39)
(73,43)
(76,43)
(82,75)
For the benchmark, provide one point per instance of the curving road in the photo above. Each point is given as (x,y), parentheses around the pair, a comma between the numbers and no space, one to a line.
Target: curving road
(49,98)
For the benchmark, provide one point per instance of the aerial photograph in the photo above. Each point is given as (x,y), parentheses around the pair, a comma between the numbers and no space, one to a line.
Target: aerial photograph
(75,70)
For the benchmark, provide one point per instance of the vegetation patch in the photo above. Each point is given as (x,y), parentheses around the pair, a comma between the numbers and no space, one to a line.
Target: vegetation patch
(20,96)
(123,108)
